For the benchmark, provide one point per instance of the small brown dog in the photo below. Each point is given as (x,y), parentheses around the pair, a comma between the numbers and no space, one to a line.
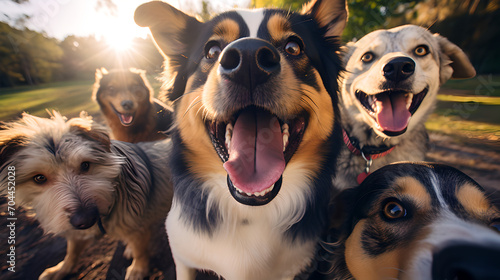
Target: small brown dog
(126,100)
(80,184)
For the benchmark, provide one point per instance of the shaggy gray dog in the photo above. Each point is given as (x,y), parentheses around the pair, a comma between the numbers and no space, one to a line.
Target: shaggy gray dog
(81,185)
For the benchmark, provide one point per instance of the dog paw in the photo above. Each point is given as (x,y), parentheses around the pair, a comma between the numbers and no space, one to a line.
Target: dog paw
(127,253)
(54,273)
(135,273)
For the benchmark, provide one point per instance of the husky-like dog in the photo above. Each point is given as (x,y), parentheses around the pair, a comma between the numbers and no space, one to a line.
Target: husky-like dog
(127,102)
(414,221)
(80,184)
(256,130)
(389,88)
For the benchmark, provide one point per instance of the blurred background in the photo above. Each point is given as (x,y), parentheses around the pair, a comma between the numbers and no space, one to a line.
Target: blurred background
(45,41)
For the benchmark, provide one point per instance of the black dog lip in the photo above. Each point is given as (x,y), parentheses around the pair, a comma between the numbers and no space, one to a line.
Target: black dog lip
(254,200)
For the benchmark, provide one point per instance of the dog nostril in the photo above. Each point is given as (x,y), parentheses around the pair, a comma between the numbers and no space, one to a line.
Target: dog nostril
(408,68)
(268,60)
(388,69)
(127,104)
(231,59)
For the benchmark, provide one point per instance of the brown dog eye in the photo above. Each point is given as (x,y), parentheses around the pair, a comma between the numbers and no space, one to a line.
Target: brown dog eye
(495,225)
(40,179)
(213,52)
(367,57)
(293,48)
(394,210)
(85,166)
(421,50)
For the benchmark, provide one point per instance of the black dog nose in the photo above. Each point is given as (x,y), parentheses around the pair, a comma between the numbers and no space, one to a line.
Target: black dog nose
(465,261)
(84,217)
(127,104)
(399,69)
(249,62)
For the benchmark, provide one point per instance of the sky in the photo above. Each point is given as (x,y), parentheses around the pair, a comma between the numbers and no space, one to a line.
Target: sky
(60,18)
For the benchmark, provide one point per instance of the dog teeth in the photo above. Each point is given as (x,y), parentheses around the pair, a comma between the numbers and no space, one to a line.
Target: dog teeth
(409,98)
(286,135)
(258,194)
(229,134)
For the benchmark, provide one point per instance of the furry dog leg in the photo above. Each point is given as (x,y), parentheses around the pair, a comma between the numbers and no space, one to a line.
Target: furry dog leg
(138,246)
(68,265)
(184,272)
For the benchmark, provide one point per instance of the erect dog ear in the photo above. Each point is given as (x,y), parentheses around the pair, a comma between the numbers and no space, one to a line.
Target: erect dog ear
(331,14)
(85,127)
(99,73)
(171,28)
(454,63)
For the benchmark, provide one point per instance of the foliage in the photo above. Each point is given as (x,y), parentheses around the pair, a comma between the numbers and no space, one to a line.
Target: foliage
(29,57)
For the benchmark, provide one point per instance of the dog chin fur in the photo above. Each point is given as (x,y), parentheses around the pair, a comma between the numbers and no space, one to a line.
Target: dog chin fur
(431,71)
(127,183)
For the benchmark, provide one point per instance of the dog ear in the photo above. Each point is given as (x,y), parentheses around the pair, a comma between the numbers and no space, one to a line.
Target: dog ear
(346,52)
(9,148)
(85,127)
(99,73)
(331,14)
(171,28)
(454,62)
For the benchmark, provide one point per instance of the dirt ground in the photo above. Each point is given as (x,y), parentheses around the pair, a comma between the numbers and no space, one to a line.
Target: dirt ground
(35,251)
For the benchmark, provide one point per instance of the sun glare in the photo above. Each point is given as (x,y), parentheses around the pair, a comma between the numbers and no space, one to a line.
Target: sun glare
(119,41)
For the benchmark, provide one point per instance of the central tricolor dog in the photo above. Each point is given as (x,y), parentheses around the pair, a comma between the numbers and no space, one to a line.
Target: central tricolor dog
(256,135)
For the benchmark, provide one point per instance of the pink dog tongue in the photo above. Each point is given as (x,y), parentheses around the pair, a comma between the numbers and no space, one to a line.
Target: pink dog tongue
(392,114)
(126,119)
(256,159)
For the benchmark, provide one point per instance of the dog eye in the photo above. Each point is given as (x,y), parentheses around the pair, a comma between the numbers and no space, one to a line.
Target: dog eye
(293,48)
(212,51)
(394,210)
(85,166)
(495,225)
(367,57)
(421,50)
(40,179)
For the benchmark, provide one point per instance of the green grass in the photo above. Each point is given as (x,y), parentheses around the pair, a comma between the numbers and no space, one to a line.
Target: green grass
(485,85)
(67,97)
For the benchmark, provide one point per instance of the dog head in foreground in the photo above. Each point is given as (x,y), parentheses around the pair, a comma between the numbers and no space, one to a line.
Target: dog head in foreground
(393,76)
(416,221)
(64,170)
(253,91)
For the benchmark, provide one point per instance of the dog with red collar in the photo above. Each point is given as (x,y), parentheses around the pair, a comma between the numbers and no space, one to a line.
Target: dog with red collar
(389,88)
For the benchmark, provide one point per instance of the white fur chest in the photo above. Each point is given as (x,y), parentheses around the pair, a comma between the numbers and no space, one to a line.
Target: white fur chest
(248,243)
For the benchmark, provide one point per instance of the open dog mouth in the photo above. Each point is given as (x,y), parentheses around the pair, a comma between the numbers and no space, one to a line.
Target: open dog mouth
(391,109)
(125,118)
(255,146)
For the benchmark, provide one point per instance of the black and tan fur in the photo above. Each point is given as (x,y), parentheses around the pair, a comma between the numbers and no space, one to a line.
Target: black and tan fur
(79,184)
(414,221)
(274,71)
(127,101)
(404,62)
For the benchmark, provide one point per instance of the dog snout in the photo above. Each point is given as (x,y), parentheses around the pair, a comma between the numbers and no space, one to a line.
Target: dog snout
(249,62)
(84,217)
(127,104)
(399,69)
(467,261)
